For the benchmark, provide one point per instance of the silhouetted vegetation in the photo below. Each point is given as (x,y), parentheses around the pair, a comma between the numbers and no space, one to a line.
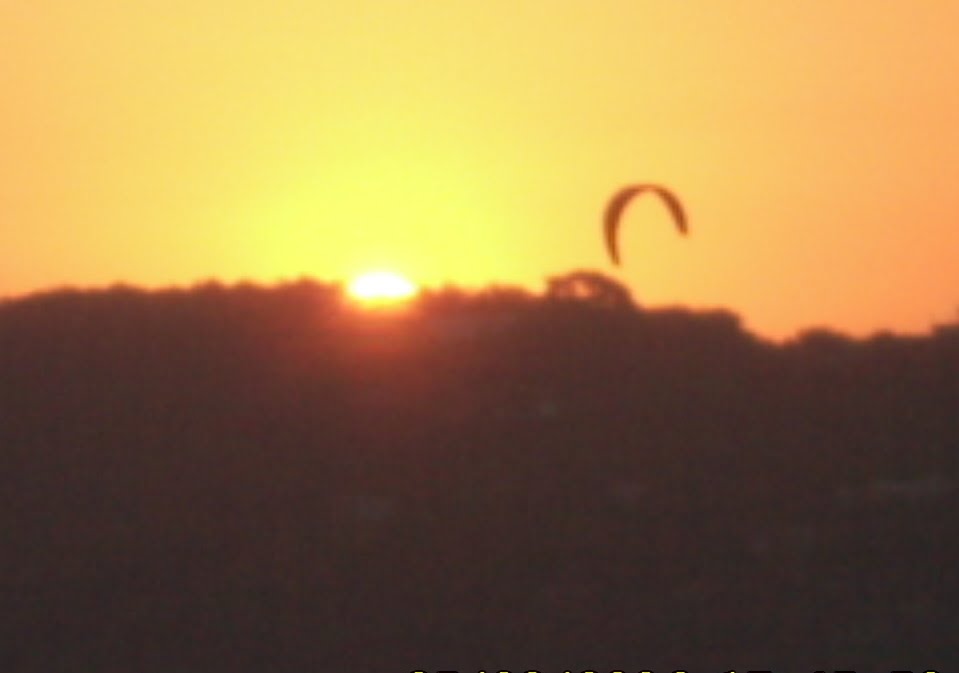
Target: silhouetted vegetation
(246,478)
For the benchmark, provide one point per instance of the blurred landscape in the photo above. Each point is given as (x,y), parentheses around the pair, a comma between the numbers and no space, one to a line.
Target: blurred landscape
(247,478)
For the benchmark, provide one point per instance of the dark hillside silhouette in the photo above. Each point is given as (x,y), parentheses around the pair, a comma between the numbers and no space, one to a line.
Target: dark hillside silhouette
(247,478)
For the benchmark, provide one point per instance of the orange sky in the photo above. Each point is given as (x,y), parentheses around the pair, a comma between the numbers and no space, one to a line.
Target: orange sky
(815,145)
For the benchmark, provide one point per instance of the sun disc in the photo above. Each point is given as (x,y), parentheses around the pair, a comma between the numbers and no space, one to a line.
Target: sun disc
(381,288)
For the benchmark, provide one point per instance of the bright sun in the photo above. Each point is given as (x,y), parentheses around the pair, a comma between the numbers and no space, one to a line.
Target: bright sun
(381,288)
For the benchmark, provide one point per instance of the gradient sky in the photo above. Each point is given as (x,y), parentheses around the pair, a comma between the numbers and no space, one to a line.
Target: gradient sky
(815,144)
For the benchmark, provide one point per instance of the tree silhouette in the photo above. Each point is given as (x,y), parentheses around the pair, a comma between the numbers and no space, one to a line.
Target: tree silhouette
(589,287)
(220,476)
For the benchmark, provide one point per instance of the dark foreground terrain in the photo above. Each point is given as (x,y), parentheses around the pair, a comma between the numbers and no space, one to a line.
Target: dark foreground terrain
(247,479)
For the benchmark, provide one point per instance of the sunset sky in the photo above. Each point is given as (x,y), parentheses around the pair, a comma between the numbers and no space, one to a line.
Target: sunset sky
(815,144)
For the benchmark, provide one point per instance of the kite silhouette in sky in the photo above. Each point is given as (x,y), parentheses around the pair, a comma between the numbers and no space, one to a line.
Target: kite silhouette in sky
(622,198)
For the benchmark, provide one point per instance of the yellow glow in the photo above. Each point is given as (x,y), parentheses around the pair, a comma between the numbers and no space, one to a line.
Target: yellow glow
(382,288)
(813,144)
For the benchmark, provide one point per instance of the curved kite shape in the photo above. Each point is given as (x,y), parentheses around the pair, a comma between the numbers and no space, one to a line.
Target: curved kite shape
(617,204)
